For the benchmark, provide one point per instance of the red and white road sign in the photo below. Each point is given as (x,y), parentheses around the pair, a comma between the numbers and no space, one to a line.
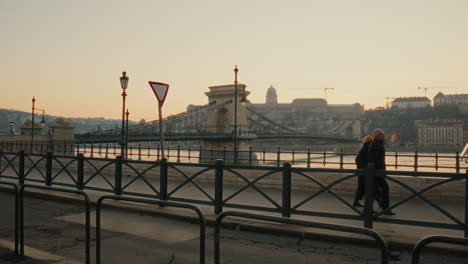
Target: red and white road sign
(160,90)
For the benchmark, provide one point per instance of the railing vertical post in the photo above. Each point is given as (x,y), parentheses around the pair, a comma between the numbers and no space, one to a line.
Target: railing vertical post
(278,158)
(341,159)
(457,162)
(219,186)
(292,161)
(163,180)
(1,155)
(107,151)
(100,150)
(118,176)
(80,171)
(77,149)
(178,153)
(200,154)
(139,151)
(437,161)
(466,203)
(224,153)
(416,160)
(21,168)
(42,148)
(263,154)
(396,160)
(308,158)
(250,156)
(157,154)
(369,200)
(286,206)
(49,169)
(189,152)
(92,150)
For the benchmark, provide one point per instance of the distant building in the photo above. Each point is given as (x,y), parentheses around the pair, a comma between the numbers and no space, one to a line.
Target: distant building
(312,115)
(271,97)
(411,102)
(440,133)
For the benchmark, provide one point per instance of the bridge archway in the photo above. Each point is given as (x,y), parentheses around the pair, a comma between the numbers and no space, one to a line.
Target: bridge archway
(221,120)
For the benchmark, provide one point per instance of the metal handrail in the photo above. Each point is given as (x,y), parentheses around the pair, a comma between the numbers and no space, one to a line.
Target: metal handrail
(334,227)
(435,239)
(88,215)
(15,187)
(201,218)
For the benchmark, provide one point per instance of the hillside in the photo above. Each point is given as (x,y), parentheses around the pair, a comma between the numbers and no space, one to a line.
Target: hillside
(81,124)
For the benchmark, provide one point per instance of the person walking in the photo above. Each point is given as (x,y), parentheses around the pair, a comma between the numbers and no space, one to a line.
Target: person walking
(376,155)
(362,161)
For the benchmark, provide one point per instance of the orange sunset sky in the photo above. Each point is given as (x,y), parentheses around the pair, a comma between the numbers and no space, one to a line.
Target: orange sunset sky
(70,54)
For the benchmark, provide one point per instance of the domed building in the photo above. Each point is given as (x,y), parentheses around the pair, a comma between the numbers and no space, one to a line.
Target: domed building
(312,115)
(271,97)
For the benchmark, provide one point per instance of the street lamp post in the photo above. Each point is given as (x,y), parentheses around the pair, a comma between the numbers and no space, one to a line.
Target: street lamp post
(123,84)
(32,121)
(235,114)
(126,133)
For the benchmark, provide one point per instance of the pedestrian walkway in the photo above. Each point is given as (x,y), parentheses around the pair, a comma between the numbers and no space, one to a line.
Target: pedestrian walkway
(32,256)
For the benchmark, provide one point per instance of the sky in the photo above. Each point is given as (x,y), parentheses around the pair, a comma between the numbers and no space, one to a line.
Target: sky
(70,54)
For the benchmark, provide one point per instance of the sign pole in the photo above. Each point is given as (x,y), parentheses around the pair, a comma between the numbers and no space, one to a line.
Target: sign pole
(161,130)
(160,91)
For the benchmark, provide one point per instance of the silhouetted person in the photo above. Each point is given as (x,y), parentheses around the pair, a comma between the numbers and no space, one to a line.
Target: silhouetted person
(362,161)
(376,154)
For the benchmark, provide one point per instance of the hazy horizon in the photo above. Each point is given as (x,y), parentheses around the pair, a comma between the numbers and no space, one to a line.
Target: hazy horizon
(70,55)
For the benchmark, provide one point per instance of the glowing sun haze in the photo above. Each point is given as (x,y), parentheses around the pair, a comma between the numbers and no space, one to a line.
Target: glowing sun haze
(70,54)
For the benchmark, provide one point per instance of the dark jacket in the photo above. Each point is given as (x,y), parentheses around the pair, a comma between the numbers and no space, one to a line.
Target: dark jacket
(376,154)
(362,157)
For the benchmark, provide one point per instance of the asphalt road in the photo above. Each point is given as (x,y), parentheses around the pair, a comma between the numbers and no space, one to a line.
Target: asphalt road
(56,227)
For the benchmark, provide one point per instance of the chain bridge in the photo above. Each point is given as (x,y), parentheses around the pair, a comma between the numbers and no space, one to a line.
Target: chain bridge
(215,122)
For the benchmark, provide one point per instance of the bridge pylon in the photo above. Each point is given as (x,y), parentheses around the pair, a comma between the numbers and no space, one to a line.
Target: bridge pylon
(221,121)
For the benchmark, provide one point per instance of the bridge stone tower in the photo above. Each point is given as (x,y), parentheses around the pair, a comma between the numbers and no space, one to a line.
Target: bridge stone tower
(221,119)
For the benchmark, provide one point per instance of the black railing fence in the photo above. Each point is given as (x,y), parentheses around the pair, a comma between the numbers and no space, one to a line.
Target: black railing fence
(275,188)
(401,161)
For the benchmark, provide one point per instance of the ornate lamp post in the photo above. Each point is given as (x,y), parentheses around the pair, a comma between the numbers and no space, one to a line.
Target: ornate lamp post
(32,121)
(123,84)
(126,133)
(235,114)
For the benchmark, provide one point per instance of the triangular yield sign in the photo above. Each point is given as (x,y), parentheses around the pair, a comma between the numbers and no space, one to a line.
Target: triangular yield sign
(160,90)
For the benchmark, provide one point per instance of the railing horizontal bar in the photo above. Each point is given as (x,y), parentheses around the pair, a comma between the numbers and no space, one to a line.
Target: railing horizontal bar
(253,207)
(323,214)
(190,201)
(419,223)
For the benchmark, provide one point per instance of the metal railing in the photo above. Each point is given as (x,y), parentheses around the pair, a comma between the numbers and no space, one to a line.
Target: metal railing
(87,220)
(16,218)
(435,239)
(415,161)
(343,228)
(167,180)
(201,220)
